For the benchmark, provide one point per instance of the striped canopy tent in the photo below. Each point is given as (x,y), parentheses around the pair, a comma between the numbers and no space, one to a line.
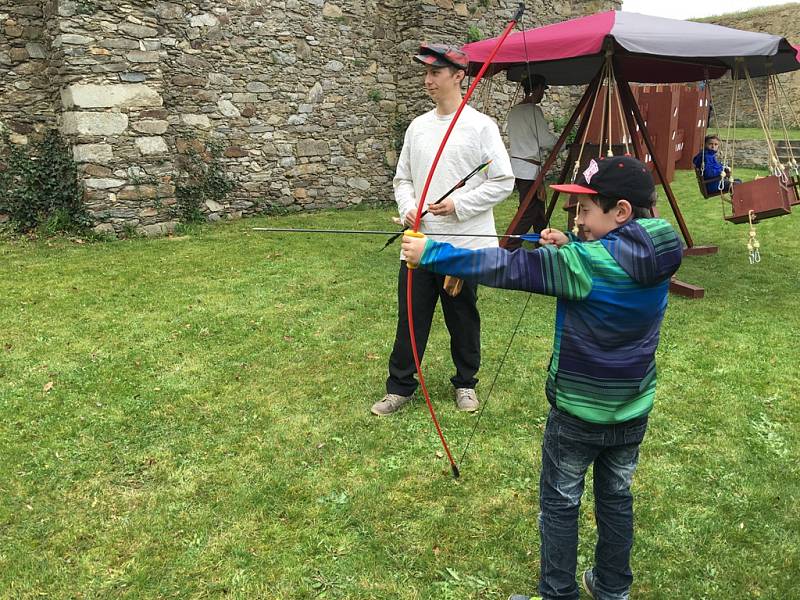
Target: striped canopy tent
(646,50)
(613,49)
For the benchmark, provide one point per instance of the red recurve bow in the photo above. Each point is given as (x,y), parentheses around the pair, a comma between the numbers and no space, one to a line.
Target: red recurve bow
(418,218)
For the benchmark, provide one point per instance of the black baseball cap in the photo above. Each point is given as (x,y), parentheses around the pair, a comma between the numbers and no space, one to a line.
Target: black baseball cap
(439,55)
(621,177)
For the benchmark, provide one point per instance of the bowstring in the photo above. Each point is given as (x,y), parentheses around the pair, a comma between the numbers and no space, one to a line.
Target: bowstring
(530,294)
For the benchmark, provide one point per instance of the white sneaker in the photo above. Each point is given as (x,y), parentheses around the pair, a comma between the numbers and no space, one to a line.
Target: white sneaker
(389,404)
(467,399)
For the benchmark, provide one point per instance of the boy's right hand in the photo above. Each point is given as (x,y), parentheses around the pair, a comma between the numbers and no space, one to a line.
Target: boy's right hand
(553,236)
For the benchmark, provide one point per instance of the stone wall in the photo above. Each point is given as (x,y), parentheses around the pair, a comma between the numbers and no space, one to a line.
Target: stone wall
(754,153)
(783,20)
(309,99)
(26,93)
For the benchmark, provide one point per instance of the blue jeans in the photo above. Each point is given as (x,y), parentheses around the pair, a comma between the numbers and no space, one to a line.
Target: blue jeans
(570,446)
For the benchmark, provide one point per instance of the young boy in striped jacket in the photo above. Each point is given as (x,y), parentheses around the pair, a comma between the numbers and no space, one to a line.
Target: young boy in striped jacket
(612,288)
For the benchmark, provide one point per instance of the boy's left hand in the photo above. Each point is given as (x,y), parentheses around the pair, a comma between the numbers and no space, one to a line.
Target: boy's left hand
(553,236)
(413,247)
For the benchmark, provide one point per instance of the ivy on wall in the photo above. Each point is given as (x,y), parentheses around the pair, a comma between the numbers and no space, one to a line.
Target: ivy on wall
(39,185)
(200,177)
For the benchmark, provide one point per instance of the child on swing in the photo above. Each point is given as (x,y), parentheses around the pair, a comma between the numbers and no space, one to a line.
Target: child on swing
(612,293)
(706,161)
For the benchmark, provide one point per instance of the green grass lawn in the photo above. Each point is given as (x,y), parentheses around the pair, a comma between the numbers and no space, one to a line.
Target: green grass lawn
(188,417)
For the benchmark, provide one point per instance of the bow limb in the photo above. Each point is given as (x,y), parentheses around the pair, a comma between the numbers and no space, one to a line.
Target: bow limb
(418,218)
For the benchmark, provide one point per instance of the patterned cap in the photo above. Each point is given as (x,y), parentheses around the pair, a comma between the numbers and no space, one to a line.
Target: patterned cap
(439,55)
(614,177)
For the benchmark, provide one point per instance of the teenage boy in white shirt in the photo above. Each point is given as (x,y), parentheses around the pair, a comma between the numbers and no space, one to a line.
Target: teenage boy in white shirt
(475,139)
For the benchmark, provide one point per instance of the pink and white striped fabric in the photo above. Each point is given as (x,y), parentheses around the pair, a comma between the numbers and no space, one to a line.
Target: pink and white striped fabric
(647,50)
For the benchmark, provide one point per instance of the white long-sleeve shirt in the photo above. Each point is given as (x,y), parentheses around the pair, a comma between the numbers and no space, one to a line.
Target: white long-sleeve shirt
(474,140)
(530,138)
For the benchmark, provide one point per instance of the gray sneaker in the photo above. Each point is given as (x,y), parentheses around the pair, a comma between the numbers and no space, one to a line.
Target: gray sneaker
(467,399)
(391,403)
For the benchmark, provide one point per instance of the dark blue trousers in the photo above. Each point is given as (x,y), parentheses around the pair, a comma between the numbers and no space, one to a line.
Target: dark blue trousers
(570,446)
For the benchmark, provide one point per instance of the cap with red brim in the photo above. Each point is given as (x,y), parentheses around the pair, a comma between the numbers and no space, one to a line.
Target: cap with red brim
(614,177)
(439,55)
(573,188)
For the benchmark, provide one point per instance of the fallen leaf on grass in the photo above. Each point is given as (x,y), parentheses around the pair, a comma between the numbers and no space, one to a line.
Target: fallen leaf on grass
(439,454)
(47,387)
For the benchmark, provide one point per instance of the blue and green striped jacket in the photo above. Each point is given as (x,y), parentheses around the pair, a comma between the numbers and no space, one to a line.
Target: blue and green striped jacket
(612,294)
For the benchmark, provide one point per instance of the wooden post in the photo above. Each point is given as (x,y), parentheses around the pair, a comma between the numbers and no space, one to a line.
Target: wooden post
(633,118)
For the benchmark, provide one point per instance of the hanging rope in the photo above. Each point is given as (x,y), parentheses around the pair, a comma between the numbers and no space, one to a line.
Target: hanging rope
(610,91)
(603,75)
(512,105)
(704,122)
(774,83)
(753,244)
(621,115)
(775,166)
(730,141)
(586,129)
(788,103)
(602,123)
(487,94)
(710,105)
(767,107)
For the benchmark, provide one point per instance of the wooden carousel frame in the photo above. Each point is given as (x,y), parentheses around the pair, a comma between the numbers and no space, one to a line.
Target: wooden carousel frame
(635,124)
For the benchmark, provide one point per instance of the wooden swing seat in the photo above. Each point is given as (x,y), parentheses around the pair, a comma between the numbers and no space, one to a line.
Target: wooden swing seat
(794,183)
(766,197)
(701,183)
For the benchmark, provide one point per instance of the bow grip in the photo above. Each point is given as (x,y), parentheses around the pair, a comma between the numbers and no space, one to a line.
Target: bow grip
(415,234)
